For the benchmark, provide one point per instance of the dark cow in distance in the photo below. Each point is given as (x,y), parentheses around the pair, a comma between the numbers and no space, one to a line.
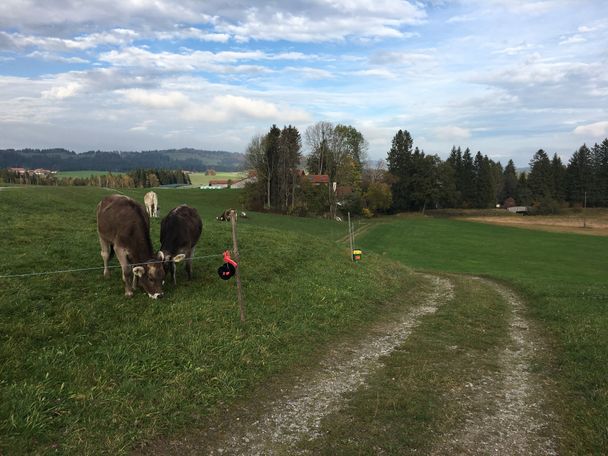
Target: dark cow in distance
(124,229)
(225,216)
(180,230)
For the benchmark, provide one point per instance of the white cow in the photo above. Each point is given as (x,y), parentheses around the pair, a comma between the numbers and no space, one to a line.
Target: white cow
(151,202)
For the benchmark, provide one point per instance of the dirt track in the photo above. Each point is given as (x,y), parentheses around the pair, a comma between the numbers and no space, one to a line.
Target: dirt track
(502,413)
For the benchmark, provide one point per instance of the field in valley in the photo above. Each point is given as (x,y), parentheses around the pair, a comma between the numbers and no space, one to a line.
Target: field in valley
(591,221)
(199,179)
(85,370)
(84,173)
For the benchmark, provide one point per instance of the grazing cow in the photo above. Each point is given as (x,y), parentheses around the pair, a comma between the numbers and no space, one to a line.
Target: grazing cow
(151,202)
(224,216)
(124,228)
(180,230)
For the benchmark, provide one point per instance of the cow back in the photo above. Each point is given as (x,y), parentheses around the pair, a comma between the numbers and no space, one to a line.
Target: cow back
(180,229)
(124,223)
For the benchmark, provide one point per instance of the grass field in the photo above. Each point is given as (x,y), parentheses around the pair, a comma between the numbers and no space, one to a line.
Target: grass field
(85,370)
(199,179)
(564,279)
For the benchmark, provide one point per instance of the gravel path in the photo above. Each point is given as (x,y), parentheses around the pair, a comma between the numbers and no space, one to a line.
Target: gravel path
(505,414)
(502,413)
(298,413)
(275,426)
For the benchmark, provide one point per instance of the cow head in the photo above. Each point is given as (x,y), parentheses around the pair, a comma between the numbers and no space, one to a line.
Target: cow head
(150,277)
(169,263)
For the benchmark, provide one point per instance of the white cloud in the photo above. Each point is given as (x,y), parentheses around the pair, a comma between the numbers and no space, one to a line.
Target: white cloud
(325,21)
(188,60)
(225,108)
(116,37)
(310,73)
(452,133)
(51,57)
(377,73)
(142,126)
(156,100)
(574,39)
(62,92)
(596,130)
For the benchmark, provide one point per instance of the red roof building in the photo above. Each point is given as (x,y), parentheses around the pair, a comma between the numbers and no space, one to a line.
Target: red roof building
(318,179)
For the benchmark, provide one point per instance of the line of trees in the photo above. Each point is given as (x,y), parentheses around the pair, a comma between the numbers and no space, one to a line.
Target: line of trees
(411,179)
(419,181)
(141,178)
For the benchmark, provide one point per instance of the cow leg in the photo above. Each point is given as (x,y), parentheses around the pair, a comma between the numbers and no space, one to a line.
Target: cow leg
(174,272)
(127,275)
(189,256)
(106,252)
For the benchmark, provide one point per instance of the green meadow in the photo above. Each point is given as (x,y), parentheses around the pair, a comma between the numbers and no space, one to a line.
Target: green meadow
(84,370)
(564,279)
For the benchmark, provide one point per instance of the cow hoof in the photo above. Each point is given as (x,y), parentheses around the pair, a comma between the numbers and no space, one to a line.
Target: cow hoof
(129,294)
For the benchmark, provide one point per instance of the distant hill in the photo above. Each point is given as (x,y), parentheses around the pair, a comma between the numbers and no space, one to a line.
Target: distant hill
(65,160)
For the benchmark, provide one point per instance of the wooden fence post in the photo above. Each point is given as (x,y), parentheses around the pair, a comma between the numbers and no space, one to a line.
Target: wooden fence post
(235,250)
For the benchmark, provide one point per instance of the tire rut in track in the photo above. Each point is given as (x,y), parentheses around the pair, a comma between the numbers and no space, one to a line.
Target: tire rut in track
(506,413)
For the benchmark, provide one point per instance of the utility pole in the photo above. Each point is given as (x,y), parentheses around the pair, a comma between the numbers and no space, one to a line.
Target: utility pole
(585,212)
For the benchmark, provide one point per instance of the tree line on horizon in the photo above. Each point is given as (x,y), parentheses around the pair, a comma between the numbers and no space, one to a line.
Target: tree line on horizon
(411,179)
(59,159)
(137,178)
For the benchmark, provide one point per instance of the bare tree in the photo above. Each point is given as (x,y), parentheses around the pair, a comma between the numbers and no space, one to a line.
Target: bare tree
(318,138)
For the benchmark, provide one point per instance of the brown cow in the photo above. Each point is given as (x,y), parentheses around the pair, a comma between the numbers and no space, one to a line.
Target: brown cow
(124,228)
(180,230)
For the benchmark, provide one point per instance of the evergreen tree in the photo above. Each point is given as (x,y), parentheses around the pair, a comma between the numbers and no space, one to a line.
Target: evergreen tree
(540,179)
(524,194)
(600,174)
(466,180)
(399,162)
(271,159)
(579,175)
(454,161)
(558,174)
(290,145)
(485,191)
(509,183)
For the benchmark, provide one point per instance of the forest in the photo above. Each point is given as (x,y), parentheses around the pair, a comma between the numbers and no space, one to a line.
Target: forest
(409,179)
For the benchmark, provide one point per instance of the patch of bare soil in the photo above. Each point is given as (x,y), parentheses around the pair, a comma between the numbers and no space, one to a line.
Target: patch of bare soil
(275,426)
(506,413)
(593,226)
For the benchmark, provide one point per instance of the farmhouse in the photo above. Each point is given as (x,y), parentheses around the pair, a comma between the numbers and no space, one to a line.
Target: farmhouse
(318,179)
(218,183)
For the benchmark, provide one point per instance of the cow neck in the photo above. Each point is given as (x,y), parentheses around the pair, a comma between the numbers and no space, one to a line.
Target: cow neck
(142,251)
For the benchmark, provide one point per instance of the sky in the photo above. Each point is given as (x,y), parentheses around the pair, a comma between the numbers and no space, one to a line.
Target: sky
(504,77)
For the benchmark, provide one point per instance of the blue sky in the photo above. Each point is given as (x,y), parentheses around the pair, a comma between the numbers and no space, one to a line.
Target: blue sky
(505,77)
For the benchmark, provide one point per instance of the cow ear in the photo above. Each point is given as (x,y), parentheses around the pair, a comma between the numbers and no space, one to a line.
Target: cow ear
(161,255)
(179,257)
(138,271)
